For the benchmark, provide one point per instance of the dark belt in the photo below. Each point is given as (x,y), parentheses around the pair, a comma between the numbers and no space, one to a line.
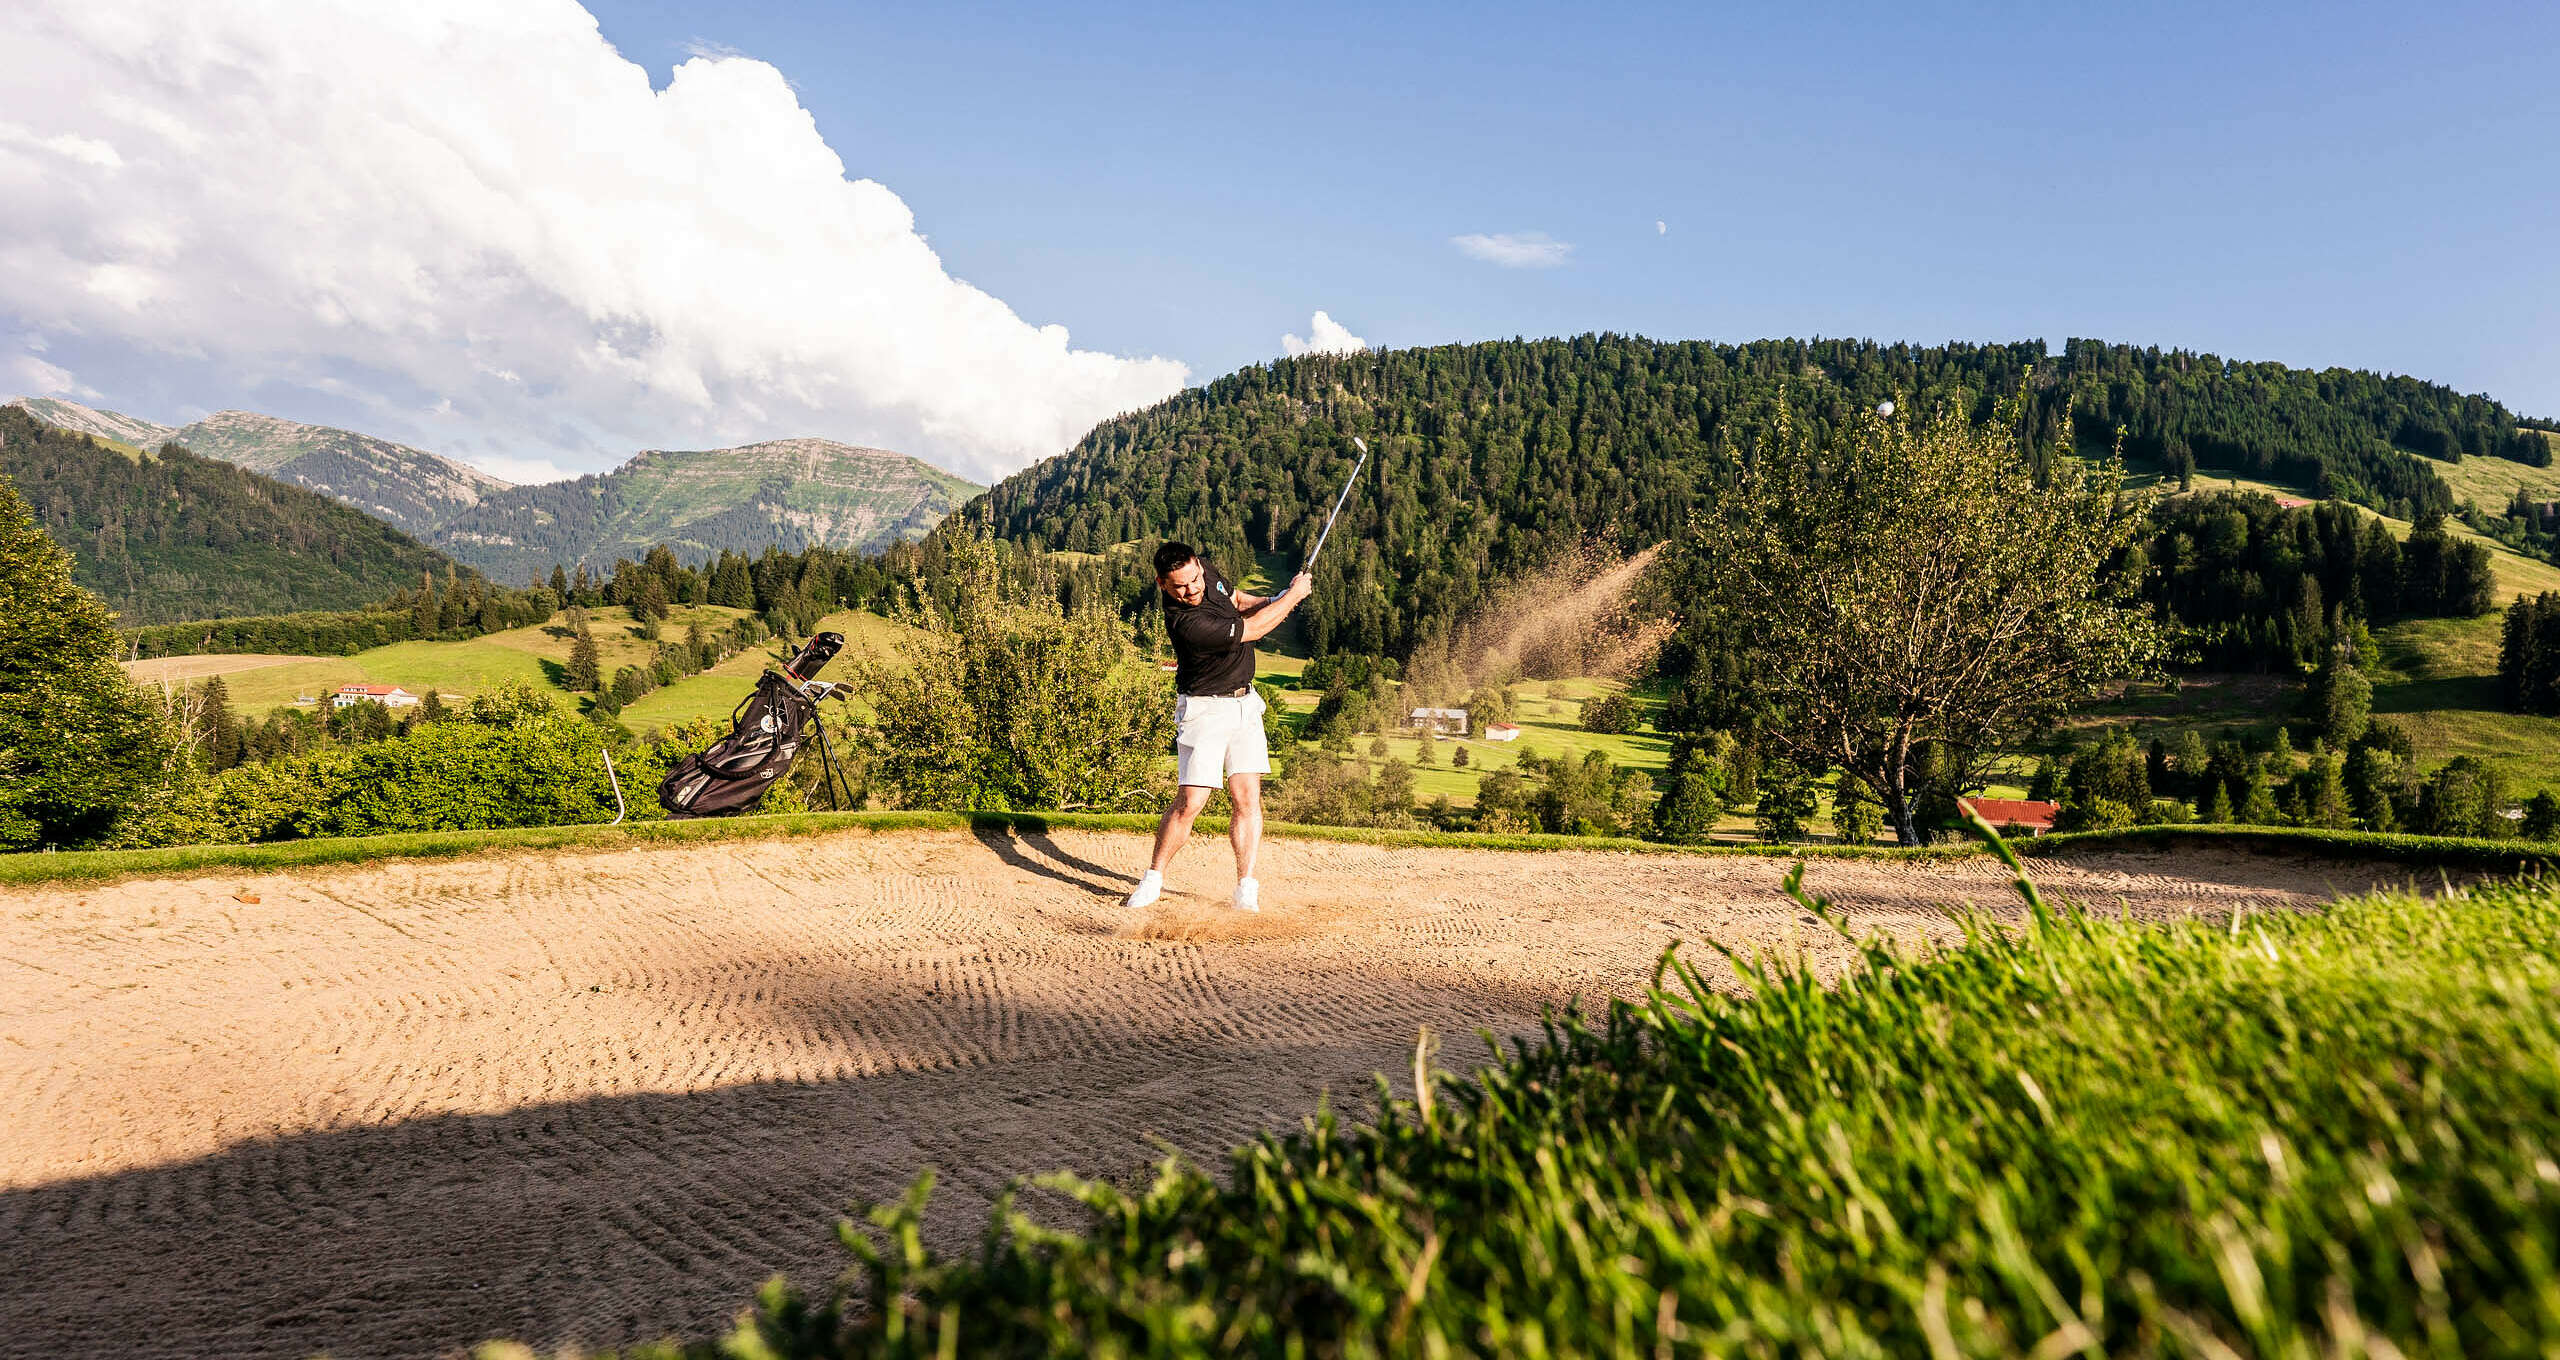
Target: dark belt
(1230,694)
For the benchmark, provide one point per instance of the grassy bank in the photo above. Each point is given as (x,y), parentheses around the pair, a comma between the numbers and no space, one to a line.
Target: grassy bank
(98,866)
(2303,1135)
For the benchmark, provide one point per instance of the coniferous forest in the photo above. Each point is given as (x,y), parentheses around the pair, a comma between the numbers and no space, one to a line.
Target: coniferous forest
(1490,458)
(175,536)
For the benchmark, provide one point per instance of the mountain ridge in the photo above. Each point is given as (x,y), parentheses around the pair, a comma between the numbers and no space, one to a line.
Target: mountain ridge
(795,492)
(164,535)
(408,488)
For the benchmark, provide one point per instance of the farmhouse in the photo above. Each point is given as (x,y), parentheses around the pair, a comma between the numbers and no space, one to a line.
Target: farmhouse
(389,696)
(1449,721)
(2033,817)
(1502,731)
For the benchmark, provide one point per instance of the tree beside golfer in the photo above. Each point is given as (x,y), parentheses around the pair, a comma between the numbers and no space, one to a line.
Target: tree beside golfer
(1217,716)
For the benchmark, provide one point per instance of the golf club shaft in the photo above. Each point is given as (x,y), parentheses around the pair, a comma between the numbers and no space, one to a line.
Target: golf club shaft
(1350,482)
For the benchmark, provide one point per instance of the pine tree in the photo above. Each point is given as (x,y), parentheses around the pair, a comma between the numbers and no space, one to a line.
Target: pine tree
(2219,810)
(586,674)
(217,731)
(79,745)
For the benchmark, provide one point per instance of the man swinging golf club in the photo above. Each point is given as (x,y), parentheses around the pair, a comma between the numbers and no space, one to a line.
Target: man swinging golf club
(1217,716)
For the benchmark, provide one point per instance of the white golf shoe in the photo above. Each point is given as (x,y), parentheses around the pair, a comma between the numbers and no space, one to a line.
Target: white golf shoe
(1248,895)
(1150,887)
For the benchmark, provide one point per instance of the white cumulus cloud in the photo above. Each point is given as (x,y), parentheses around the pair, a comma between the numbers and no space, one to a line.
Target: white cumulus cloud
(481,203)
(1514,250)
(25,374)
(1324,336)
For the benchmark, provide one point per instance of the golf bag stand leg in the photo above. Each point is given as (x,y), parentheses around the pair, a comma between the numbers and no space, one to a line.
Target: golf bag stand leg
(827,763)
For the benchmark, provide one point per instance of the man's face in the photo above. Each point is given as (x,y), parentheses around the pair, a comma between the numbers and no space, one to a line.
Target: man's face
(1187,583)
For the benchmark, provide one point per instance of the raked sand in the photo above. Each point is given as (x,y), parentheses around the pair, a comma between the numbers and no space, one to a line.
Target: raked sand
(598,1097)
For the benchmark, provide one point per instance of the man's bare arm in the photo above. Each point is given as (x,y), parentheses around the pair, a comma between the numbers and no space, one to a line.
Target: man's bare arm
(1263,621)
(1246,604)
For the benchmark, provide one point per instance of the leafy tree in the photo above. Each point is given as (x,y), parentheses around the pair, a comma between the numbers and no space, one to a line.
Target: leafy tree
(1610,714)
(1458,759)
(2341,698)
(1325,790)
(2463,797)
(1011,701)
(2045,786)
(79,745)
(1586,797)
(1693,790)
(1855,814)
(1787,801)
(1911,582)
(2541,817)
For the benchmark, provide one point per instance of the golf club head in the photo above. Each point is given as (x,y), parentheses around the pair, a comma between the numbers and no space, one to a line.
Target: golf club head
(1355,443)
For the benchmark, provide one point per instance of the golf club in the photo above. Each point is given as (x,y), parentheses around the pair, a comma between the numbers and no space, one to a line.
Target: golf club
(1352,481)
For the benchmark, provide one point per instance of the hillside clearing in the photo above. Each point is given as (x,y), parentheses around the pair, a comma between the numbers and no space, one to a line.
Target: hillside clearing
(596,1097)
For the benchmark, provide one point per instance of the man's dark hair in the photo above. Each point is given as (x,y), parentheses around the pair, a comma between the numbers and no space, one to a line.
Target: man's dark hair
(1171,556)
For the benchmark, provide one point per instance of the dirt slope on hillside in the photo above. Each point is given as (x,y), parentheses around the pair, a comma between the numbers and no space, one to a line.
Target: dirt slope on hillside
(599,1097)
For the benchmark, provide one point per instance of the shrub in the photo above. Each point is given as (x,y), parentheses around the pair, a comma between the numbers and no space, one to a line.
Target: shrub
(1787,800)
(1011,701)
(1610,714)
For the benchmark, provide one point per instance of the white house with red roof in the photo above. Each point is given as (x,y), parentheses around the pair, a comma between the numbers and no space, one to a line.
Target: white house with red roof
(389,696)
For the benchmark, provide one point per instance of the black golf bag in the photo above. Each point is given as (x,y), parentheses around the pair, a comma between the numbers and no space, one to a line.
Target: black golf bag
(765,732)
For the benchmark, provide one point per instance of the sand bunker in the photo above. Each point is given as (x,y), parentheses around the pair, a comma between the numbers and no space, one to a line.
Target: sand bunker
(596,1098)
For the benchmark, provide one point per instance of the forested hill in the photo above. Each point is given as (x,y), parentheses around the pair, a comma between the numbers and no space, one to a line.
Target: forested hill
(172,536)
(1491,456)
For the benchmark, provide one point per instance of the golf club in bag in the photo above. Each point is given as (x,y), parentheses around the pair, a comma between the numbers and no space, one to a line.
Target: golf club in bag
(765,732)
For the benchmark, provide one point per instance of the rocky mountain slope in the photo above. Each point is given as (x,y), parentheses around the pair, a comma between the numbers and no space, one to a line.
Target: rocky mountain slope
(795,493)
(411,489)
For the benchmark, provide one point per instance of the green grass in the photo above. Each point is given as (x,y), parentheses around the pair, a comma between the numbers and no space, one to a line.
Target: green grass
(2490,483)
(2297,1135)
(715,693)
(98,866)
(536,655)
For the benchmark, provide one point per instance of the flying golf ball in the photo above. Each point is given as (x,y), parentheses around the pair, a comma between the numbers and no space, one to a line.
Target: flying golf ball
(1884,408)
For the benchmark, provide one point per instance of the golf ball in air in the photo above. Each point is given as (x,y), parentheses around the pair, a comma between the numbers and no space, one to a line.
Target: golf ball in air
(1884,408)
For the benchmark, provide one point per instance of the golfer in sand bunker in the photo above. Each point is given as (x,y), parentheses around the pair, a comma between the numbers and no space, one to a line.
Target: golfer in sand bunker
(1217,716)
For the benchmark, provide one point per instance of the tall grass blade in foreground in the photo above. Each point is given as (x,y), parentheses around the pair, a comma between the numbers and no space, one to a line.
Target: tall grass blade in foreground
(2314,1135)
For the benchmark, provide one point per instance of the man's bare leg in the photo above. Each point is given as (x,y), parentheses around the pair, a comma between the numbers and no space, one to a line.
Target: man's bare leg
(1244,829)
(1171,831)
(1174,827)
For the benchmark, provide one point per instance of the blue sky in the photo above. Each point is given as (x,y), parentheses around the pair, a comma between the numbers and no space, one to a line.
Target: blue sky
(2367,185)
(539,236)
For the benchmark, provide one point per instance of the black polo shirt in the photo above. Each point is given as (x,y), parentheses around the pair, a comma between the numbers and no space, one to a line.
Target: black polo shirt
(1211,655)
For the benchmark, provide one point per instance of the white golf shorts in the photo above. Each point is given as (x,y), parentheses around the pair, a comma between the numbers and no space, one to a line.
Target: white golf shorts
(1216,737)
